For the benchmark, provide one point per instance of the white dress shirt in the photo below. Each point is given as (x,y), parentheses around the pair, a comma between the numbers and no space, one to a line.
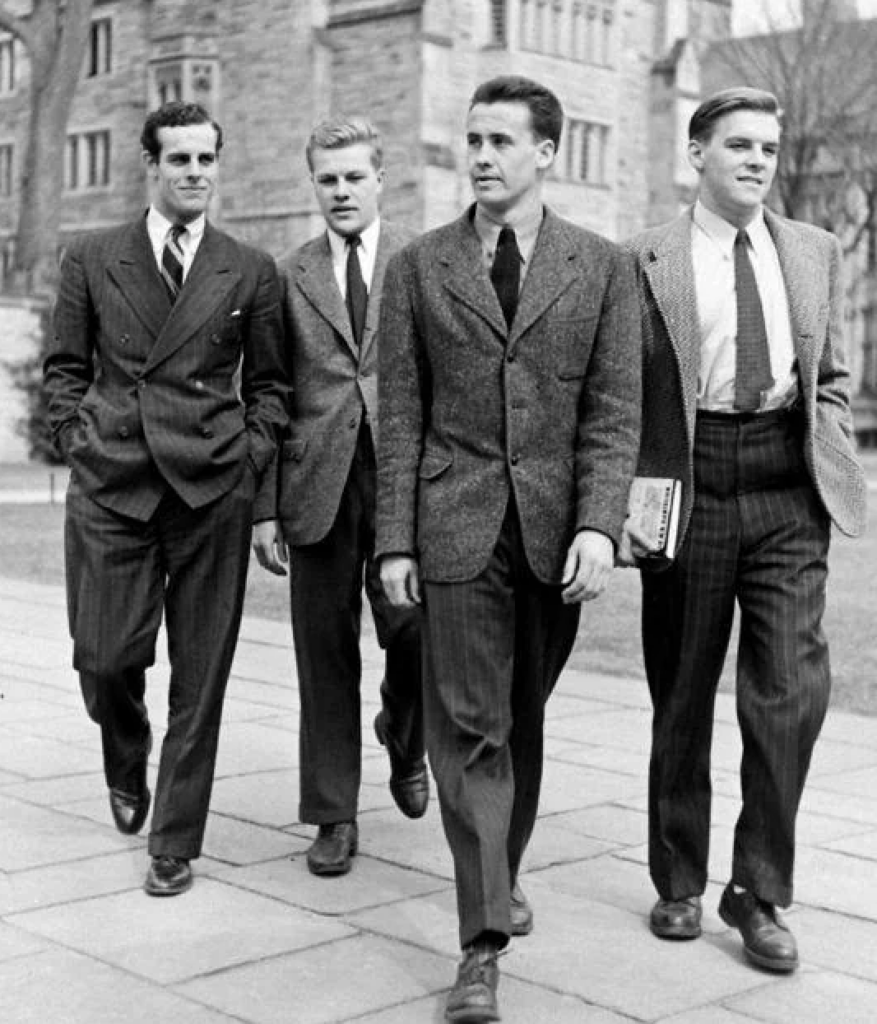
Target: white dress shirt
(159,227)
(526,230)
(712,249)
(368,251)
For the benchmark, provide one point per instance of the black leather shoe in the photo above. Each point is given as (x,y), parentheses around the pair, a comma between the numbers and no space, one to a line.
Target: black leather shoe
(767,940)
(409,780)
(129,810)
(676,919)
(168,876)
(522,912)
(334,848)
(472,1000)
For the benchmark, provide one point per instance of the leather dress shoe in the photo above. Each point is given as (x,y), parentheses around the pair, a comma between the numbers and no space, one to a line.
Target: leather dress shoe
(409,780)
(472,1000)
(767,940)
(676,919)
(129,810)
(522,912)
(168,876)
(334,848)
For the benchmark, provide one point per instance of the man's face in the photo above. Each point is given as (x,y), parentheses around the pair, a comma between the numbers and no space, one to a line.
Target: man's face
(738,163)
(183,177)
(506,160)
(347,186)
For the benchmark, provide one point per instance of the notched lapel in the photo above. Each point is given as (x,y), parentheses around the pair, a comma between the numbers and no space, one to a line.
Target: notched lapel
(466,277)
(801,270)
(316,280)
(555,264)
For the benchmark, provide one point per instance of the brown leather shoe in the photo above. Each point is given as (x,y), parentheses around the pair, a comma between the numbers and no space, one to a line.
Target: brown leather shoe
(129,810)
(472,1000)
(767,940)
(168,876)
(522,912)
(334,848)
(676,919)
(409,780)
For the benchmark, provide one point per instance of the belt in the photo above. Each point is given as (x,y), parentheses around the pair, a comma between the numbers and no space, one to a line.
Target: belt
(771,416)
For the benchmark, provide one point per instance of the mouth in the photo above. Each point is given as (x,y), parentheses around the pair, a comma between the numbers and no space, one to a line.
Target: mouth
(748,180)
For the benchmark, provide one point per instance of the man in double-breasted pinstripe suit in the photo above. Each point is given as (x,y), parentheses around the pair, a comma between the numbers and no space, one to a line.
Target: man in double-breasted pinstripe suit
(166,389)
(763,471)
(316,508)
(509,402)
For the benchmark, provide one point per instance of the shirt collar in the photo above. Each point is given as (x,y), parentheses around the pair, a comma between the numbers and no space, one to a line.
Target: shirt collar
(368,238)
(158,227)
(526,229)
(723,233)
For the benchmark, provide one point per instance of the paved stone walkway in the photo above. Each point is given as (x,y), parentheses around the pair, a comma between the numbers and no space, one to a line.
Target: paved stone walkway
(259,940)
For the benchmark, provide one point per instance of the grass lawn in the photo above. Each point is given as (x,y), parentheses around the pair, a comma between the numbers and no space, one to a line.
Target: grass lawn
(31,547)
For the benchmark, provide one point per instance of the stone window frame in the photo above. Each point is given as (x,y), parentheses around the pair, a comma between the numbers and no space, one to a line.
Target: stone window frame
(88,160)
(585,151)
(580,30)
(99,57)
(8,64)
(7,169)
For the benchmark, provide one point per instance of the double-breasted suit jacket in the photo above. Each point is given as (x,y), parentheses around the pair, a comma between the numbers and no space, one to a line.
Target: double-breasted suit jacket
(548,409)
(811,265)
(334,386)
(141,391)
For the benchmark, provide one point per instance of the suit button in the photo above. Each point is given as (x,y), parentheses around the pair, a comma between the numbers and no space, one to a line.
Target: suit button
(199,385)
(141,383)
(215,339)
(510,358)
(514,460)
(124,431)
(206,432)
(353,422)
(124,339)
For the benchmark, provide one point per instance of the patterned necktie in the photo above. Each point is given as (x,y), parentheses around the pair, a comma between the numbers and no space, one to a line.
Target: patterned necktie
(753,375)
(506,272)
(172,261)
(357,294)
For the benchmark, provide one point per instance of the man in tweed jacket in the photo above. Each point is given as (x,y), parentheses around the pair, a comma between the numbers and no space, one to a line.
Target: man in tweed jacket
(166,390)
(760,480)
(510,404)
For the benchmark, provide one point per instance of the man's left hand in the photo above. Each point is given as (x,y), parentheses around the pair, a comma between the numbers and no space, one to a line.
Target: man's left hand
(588,567)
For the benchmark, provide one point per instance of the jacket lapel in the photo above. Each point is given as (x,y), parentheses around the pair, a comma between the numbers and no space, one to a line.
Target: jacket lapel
(467,278)
(554,265)
(669,270)
(373,310)
(316,279)
(213,274)
(136,274)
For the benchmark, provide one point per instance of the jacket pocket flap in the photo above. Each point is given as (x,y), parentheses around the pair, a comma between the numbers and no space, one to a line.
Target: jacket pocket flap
(433,465)
(294,450)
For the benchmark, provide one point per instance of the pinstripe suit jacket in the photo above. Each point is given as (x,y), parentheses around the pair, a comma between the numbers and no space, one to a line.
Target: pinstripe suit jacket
(137,385)
(334,385)
(811,263)
(471,410)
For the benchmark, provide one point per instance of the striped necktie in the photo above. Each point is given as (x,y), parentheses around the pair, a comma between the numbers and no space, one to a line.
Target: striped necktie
(753,376)
(172,261)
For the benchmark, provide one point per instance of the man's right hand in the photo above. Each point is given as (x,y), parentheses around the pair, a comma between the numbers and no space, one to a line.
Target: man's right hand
(270,547)
(401,580)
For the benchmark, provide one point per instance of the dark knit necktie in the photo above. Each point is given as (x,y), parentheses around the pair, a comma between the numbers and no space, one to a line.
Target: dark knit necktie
(753,376)
(506,272)
(172,261)
(357,294)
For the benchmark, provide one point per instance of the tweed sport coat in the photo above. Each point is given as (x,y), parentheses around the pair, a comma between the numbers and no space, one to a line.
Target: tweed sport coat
(811,263)
(195,388)
(472,410)
(334,385)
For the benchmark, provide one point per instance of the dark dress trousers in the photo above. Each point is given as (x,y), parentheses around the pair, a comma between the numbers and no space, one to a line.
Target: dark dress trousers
(167,414)
(322,490)
(497,444)
(759,492)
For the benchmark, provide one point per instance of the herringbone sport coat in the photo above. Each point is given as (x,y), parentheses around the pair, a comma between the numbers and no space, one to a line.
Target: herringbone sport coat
(472,410)
(136,384)
(334,385)
(811,263)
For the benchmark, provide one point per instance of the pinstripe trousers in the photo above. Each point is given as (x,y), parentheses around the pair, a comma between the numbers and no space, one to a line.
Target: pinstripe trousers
(494,648)
(759,536)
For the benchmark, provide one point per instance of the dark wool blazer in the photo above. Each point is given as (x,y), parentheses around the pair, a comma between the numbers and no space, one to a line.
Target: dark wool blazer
(136,384)
(472,411)
(334,386)
(811,262)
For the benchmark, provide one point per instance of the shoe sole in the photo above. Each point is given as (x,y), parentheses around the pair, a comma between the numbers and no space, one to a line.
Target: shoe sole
(471,1016)
(765,962)
(150,891)
(329,871)
(676,932)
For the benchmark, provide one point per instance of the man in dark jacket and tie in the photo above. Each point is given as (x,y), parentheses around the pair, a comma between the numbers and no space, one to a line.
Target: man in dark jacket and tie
(167,390)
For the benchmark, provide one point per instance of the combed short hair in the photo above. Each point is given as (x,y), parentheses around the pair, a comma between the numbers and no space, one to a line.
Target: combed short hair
(340,132)
(546,113)
(175,114)
(728,101)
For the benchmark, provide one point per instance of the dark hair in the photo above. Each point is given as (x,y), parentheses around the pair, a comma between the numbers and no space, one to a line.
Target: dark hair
(728,101)
(546,113)
(175,114)
(338,132)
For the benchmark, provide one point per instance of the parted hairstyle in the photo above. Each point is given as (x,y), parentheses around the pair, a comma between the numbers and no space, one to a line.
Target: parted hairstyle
(546,113)
(728,101)
(340,131)
(175,114)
